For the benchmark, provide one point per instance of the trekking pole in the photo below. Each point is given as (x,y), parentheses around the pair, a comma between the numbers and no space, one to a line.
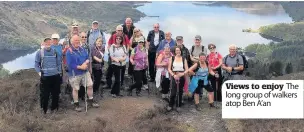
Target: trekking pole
(85,97)
(216,88)
(120,78)
(177,92)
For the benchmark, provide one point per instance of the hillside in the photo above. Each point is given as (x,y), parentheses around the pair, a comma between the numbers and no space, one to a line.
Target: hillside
(24,24)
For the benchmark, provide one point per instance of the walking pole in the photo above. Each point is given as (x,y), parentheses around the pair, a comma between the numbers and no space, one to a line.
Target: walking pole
(85,88)
(177,93)
(216,88)
(120,76)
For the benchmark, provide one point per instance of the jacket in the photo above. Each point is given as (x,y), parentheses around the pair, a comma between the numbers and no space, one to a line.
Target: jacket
(150,38)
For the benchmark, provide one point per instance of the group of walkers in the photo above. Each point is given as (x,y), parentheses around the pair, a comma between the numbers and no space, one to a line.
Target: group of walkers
(176,70)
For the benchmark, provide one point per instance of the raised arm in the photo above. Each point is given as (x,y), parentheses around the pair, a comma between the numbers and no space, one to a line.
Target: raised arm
(192,68)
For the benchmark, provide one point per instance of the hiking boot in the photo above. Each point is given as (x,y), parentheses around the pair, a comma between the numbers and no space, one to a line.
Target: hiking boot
(178,109)
(169,108)
(138,94)
(106,87)
(77,107)
(92,103)
(145,87)
(119,95)
(113,95)
(211,105)
(197,107)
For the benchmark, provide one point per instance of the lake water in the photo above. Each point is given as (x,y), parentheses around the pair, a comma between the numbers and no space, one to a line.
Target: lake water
(216,24)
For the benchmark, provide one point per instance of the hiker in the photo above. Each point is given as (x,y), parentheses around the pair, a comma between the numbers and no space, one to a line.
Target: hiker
(139,58)
(84,44)
(97,64)
(73,31)
(58,47)
(118,56)
(48,66)
(232,65)
(196,49)
(95,33)
(162,75)
(111,41)
(128,27)
(78,61)
(153,39)
(177,68)
(186,55)
(215,61)
(167,40)
(137,35)
(200,72)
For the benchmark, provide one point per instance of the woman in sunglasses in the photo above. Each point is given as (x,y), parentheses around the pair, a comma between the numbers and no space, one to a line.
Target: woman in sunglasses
(139,58)
(215,61)
(137,36)
(118,54)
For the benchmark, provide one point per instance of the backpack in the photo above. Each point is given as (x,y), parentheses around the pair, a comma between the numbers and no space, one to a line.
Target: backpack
(124,49)
(237,61)
(199,65)
(193,49)
(42,56)
(88,34)
(173,57)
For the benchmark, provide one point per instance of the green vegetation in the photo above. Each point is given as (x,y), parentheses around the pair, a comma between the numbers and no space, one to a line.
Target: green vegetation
(287,32)
(27,23)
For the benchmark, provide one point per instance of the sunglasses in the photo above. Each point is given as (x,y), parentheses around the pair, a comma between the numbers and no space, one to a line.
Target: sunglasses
(119,30)
(156,27)
(118,38)
(211,48)
(141,42)
(84,37)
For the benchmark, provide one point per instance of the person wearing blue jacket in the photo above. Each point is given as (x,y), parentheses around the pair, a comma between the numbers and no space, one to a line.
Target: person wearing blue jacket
(48,66)
(168,40)
(78,63)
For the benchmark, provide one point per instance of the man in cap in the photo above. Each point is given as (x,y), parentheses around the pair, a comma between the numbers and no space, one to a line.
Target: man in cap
(94,33)
(185,51)
(196,49)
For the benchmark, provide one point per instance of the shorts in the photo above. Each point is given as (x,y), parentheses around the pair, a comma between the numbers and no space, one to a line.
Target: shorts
(77,81)
(200,87)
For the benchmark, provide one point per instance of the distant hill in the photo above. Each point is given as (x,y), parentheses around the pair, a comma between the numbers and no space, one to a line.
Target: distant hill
(24,24)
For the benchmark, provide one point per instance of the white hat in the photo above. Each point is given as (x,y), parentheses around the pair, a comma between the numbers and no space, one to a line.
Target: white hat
(95,22)
(56,36)
(75,24)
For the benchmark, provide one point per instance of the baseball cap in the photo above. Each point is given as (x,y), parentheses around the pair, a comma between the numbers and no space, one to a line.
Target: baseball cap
(179,37)
(95,22)
(141,39)
(75,25)
(55,36)
(198,37)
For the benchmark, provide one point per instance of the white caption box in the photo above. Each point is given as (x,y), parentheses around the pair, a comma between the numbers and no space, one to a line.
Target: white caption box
(248,99)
